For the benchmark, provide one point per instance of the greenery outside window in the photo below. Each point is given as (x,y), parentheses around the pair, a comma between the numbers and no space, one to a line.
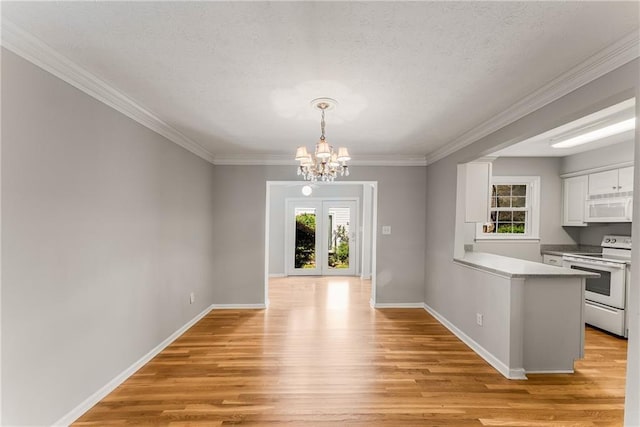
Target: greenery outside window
(514,209)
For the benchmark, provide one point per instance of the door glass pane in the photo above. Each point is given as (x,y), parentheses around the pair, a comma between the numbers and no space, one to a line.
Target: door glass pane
(305,251)
(338,235)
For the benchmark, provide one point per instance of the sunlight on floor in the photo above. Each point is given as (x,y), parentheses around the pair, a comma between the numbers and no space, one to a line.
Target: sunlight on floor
(337,295)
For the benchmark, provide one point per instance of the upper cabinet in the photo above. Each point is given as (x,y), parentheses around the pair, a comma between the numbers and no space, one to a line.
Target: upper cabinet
(613,181)
(603,182)
(625,179)
(574,194)
(584,200)
(477,181)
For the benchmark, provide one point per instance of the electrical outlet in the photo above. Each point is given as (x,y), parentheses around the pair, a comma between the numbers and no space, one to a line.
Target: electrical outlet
(479,319)
(386,229)
(192,298)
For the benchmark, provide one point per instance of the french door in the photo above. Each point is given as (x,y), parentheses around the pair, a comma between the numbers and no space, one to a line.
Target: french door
(321,237)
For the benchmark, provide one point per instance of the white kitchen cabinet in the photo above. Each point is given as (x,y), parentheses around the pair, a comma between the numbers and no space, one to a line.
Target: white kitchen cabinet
(603,182)
(552,260)
(477,179)
(574,194)
(613,181)
(625,179)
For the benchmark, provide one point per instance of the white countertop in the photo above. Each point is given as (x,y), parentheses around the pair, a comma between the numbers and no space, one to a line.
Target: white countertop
(517,268)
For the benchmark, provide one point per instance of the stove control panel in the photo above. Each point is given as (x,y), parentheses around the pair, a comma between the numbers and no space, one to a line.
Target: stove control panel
(618,242)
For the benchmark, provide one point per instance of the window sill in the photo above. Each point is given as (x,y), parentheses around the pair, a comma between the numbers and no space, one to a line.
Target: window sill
(507,239)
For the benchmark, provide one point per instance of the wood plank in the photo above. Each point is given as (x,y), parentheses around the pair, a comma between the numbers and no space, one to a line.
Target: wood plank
(320,356)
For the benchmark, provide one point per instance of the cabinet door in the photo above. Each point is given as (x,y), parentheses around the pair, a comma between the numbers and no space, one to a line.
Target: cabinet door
(603,182)
(574,195)
(477,182)
(625,179)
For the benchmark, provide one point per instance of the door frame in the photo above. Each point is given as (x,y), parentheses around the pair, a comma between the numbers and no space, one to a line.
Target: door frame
(318,203)
(372,185)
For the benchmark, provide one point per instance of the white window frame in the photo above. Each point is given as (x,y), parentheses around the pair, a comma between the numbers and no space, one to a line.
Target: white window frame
(533,207)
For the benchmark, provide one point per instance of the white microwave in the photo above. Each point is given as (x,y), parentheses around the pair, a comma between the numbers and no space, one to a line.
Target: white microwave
(616,207)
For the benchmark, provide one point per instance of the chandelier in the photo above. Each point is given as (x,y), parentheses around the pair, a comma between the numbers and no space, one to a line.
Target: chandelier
(325,164)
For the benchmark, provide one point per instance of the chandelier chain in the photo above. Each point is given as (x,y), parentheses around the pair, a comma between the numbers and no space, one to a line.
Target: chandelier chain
(324,164)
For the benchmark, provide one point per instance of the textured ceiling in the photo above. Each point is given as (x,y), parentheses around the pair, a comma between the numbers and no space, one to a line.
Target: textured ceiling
(410,77)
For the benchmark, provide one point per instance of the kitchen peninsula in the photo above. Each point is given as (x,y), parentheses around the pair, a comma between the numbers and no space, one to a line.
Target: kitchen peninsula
(528,315)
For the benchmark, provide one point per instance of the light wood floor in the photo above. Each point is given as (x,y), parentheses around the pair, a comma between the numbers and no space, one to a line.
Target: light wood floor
(320,356)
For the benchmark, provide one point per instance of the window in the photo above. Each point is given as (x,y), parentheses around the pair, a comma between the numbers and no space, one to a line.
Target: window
(514,209)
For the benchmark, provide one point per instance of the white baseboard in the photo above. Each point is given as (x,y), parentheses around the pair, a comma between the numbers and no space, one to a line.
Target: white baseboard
(238,306)
(554,371)
(510,373)
(88,403)
(398,305)
(273,275)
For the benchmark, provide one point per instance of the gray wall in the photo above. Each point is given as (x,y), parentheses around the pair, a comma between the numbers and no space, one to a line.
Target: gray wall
(551,232)
(279,194)
(605,156)
(593,233)
(446,291)
(240,203)
(106,229)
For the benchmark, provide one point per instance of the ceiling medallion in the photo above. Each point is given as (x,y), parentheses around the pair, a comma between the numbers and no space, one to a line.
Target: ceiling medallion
(325,164)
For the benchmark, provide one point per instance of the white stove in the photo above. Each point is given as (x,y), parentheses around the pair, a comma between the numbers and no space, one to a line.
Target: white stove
(606,297)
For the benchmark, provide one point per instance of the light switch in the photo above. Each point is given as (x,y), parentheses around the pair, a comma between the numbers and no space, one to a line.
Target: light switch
(386,229)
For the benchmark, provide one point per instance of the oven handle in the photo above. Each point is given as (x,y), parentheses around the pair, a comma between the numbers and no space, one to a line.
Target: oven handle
(602,307)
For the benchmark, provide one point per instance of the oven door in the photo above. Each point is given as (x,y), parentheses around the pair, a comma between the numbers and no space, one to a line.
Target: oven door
(609,288)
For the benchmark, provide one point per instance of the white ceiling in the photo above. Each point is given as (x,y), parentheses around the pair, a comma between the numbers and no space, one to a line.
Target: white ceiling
(410,77)
(540,145)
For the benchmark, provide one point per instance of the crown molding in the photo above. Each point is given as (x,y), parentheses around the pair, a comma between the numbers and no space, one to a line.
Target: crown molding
(34,50)
(42,55)
(623,51)
(391,160)
(253,160)
(39,53)
(288,160)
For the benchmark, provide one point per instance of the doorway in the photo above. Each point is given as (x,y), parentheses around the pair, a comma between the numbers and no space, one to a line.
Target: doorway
(335,248)
(321,237)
